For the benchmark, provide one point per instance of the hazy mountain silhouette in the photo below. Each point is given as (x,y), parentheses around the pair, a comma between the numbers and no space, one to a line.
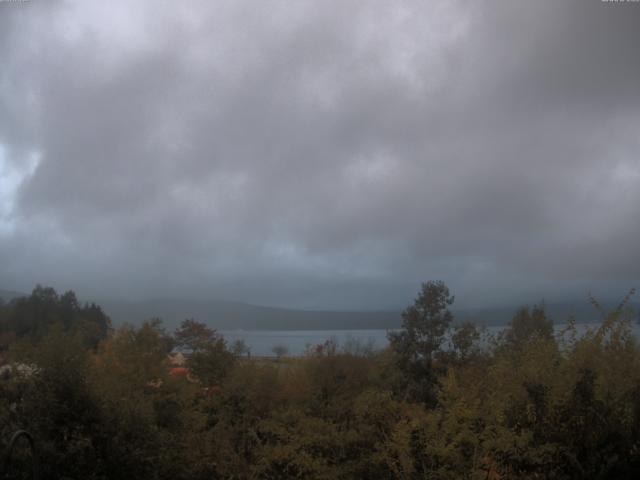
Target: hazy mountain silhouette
(7,295)
(226,315)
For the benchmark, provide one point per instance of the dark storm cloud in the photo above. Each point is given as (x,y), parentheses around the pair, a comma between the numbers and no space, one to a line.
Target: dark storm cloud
(320,154)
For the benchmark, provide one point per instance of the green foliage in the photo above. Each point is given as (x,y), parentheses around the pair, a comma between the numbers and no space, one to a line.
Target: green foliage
(240,348)
(424,326)
(192,336)
(32,316)
(280,350)
(53,401)
(527,324)
(209,358)
(464,341)
(212,362)
(531,404)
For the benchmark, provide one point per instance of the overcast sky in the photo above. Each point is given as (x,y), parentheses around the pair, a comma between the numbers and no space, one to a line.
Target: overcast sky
(320,154)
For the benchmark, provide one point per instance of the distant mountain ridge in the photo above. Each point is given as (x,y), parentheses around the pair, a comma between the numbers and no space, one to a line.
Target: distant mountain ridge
(8,295)
(225,315)
(228,315)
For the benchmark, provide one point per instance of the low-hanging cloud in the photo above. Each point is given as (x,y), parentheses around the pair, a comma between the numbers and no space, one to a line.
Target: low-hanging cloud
(320,154)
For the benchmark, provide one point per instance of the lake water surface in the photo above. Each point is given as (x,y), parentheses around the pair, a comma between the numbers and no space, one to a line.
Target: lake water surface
(261,342)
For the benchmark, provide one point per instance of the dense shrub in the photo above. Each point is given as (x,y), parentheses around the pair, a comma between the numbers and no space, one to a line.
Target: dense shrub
(529,403)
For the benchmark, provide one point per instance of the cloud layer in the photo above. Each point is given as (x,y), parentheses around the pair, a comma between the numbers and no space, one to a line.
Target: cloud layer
(320,154)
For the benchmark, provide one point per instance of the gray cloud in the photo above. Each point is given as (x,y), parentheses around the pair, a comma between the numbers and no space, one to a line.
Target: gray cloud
(320,154)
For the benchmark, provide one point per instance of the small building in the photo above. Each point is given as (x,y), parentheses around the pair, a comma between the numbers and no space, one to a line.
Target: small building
(177,359)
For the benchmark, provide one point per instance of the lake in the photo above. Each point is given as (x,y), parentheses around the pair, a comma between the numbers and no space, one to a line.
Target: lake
(261,342)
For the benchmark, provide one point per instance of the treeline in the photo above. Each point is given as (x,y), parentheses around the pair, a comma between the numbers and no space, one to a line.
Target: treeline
(32,316)
(441,402)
